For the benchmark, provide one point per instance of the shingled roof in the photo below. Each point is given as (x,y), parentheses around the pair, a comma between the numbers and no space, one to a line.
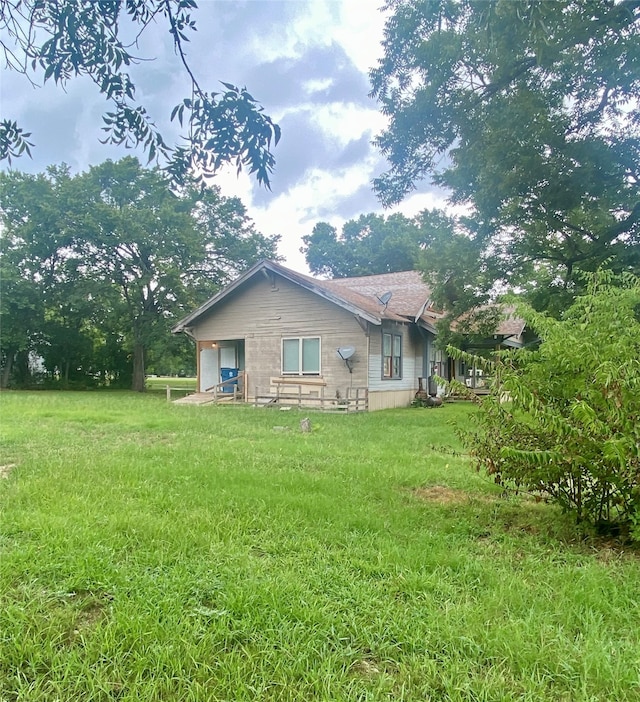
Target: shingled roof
(510,324)
(410,295)
(410,299)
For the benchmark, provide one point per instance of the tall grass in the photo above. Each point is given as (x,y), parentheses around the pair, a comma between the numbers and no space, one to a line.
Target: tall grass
(159,552)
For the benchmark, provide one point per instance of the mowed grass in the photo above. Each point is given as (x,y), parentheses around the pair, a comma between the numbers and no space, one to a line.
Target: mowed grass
(159,552)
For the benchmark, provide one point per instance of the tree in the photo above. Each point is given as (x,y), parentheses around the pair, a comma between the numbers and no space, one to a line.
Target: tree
(370,244)
(564,420)
(116,258)
(159,248)
(21,316)
(528,113)
(31,265)
(64,39)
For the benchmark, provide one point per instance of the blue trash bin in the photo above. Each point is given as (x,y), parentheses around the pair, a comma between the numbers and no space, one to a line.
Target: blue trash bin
(228,374)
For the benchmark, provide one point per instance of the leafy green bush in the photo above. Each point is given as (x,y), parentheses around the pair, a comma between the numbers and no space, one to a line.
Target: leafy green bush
(563,420)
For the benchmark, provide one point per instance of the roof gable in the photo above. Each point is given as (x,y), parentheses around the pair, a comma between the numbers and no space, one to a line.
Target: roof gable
(409,302)
(357,295)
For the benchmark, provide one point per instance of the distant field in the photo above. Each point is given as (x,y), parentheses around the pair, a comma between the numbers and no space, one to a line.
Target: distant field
(159,383)
(151,552)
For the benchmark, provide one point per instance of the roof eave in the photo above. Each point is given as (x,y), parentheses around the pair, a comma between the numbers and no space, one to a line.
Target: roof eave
(319,290)
(275,268)
(189,320)
(427,325)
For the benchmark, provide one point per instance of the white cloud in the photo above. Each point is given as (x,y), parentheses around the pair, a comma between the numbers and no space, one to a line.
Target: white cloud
(337,41)
(316,85)
(357,21)
(309,22)
(344,122)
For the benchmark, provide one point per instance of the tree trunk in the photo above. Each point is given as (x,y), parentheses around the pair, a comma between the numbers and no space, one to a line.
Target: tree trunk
(138,383)
(6,371)
(22,372)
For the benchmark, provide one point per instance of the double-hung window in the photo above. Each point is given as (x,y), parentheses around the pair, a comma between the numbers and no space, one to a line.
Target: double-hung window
(301,356)
(391,355)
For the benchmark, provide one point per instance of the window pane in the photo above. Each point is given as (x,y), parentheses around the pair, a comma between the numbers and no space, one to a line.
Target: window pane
(386,344)
(311,355)
(290,355)
(397,345)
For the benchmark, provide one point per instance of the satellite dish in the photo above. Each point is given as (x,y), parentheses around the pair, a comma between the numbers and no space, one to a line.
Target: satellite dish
(346,352)
(384,298)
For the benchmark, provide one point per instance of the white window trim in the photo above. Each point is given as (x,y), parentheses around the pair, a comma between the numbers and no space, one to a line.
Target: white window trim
(300,339)
(393,334)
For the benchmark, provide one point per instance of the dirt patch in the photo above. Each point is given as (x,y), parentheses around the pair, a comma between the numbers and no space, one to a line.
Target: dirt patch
(442,495)
(366,668)
(370,667)
(86,621)
(90,616)
(612,552)
(6,469)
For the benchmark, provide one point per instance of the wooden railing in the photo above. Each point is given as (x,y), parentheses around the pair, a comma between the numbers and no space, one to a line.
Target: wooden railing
(238,385)
(479,384)
(290,394)
(286,392)
(180,389)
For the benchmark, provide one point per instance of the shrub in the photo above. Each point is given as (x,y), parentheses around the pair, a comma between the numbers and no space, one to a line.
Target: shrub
(563,420)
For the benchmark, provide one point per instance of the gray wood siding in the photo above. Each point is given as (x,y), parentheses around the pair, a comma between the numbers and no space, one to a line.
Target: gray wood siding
(389,399)
(263,314)
(412,353)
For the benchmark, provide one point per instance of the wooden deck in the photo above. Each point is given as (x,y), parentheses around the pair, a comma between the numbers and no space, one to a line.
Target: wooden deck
(230,390)
(207,398)
(291,394)
(196,398)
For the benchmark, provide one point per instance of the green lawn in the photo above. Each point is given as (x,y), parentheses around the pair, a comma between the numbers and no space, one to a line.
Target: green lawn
(159,552)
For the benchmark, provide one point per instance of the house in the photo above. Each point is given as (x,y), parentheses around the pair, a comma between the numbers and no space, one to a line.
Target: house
(357,342)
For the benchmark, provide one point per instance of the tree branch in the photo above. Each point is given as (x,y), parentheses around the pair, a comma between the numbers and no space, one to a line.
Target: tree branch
(178,45)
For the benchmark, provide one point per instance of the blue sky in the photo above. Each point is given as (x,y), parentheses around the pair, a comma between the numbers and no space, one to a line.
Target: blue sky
(306,61)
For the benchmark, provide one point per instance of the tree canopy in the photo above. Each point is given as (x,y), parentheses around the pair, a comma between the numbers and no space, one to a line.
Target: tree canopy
(368,245)
(63,39)
(97,267)
(441,246)
(528,113)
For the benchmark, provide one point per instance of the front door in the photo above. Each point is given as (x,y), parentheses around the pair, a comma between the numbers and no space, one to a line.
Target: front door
(209,369)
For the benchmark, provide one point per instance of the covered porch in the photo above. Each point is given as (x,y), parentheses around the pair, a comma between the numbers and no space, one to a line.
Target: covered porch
(221,369)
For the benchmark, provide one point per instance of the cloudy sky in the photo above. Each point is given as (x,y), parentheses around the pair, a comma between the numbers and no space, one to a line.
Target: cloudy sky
(306,61)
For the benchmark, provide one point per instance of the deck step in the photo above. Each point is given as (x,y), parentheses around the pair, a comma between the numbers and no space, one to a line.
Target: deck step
(205,398)
(196,398)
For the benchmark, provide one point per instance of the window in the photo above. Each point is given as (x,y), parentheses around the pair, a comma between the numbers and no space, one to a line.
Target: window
(301,356)
(391,355)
